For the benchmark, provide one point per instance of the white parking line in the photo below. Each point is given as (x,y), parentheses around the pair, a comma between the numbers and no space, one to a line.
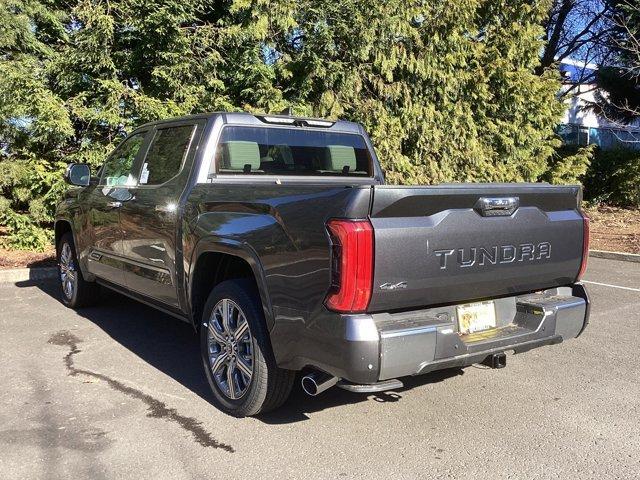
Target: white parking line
(612,286)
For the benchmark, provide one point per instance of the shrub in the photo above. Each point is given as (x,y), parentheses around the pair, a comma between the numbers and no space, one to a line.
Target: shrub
(614,177)
(568,164)
(23,233)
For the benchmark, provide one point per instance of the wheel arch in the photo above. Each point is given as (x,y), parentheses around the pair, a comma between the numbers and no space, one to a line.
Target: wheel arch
(215,260)
(60,228)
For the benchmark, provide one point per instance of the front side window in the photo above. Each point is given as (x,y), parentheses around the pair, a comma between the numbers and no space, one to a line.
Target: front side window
(290,151)
(166,154)
(117,169)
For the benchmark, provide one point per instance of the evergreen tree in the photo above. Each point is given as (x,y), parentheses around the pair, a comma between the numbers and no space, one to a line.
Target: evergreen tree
(447,89)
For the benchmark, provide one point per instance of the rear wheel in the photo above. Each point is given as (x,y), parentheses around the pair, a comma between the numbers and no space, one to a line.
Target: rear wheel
(236,352)
(76,291)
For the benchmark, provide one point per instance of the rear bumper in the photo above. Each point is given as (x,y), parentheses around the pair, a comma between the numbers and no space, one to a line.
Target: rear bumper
(384,346)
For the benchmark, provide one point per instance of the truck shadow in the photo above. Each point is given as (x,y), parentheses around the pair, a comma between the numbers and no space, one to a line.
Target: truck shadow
(172,347)
(299,404)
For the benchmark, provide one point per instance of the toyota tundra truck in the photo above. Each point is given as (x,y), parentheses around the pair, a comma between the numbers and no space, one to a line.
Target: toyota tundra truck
(277,239)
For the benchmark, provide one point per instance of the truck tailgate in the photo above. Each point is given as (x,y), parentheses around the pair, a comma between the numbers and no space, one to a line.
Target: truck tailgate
(464,242)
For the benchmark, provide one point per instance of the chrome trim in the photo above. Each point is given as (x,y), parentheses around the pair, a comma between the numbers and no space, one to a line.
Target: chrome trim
(497,206)
(317,382)
(125,260)
(207,160)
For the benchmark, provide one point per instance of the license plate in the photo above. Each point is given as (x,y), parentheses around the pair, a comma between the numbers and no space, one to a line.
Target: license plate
(476,317)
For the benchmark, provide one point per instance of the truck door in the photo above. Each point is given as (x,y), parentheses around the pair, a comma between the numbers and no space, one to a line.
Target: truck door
(103,205)
(150,220)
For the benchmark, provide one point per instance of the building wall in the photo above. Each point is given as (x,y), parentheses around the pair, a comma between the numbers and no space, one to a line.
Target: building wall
(581,125)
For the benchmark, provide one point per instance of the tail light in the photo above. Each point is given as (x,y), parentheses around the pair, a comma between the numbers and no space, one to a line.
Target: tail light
(351,265)
(585,246)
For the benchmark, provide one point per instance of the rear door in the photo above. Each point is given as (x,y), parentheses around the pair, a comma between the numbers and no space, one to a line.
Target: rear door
(150,220)
(456,243)
(103,205)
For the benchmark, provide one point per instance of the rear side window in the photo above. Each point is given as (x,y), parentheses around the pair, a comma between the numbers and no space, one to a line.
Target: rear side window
(166,154)
(289,151)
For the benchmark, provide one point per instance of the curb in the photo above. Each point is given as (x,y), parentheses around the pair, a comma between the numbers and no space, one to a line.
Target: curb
(625,257)
(27,274)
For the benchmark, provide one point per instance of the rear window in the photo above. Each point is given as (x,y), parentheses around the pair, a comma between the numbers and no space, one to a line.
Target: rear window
(289,151)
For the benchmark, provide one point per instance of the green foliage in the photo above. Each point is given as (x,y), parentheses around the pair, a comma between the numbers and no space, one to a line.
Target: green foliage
(614,177)
(447,89)
(568,164)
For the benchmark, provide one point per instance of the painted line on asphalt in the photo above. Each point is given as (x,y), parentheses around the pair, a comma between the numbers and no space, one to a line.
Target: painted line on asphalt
(612,286)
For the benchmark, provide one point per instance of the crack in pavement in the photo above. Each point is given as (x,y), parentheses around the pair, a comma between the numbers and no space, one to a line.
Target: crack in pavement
(157,409)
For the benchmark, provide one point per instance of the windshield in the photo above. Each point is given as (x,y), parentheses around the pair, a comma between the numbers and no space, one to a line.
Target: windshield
(290,151)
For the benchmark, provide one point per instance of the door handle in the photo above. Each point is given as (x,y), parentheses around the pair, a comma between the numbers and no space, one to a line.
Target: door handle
(114,204)
(497,206)
(170,208)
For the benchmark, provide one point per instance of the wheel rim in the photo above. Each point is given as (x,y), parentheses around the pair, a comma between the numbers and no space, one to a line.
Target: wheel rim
(230,349)
(68,272)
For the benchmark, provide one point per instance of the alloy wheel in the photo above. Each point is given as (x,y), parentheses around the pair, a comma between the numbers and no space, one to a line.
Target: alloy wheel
(68,273)
(230,349)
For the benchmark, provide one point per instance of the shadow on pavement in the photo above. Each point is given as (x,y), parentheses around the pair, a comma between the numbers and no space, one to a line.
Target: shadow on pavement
(300,404)
(172,347)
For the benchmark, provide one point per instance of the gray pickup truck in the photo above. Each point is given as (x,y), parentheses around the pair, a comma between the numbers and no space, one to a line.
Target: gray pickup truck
(277,239)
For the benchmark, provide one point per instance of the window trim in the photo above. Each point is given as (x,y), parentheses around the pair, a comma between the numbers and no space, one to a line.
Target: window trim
(213,169)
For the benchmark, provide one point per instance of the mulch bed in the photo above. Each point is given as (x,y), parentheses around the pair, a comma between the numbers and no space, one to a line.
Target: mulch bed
(22,259)
(614,229)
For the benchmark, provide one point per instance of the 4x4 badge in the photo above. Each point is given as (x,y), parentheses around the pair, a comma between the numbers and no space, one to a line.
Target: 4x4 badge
(393,286)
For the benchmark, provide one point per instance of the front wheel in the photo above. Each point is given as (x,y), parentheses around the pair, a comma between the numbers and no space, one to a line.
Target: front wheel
(76,291)
(236,352)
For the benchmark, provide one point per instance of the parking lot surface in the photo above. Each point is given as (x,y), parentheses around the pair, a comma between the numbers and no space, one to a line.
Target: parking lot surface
(117,391)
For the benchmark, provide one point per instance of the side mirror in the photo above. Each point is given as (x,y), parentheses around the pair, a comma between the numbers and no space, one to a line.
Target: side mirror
(78,174)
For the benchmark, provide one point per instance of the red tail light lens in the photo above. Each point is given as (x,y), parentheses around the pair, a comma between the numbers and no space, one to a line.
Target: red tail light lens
(585,247)
(351,265)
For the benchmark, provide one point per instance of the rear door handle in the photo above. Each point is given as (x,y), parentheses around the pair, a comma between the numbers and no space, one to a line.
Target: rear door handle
(114,204)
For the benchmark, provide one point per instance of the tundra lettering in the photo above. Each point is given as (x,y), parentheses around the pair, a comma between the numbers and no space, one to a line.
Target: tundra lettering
(468,257)
(277,239)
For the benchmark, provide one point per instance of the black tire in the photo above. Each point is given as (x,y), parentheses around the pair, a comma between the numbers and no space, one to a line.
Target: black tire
(269,386)
(83,293)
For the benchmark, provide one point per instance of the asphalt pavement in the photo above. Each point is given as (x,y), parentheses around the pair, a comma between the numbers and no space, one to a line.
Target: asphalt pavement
(117,392)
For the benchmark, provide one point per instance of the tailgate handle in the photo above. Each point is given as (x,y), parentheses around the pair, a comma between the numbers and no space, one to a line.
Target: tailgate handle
(497,206)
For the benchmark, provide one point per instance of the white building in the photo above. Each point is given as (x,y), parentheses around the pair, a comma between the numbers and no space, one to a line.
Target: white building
(581,125)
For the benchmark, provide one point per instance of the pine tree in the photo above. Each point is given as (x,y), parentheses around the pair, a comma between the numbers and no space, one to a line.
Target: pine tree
(447,89)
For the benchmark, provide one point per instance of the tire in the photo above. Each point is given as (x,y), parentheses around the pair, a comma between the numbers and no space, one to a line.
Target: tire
(227,355)
(76,291)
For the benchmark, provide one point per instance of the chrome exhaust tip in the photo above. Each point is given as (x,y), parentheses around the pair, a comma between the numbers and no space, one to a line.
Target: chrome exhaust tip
(317,382)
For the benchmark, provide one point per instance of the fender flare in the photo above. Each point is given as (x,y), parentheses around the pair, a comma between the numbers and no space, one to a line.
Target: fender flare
(214,244)
(60,220)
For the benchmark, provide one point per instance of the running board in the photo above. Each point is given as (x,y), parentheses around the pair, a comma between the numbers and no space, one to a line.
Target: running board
(392,384)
